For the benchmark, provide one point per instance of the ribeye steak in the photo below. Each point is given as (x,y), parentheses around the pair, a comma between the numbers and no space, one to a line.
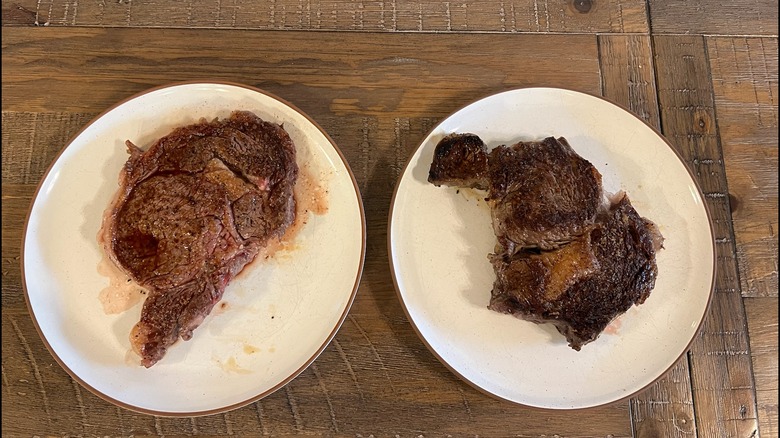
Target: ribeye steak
(564,254)
(191,212)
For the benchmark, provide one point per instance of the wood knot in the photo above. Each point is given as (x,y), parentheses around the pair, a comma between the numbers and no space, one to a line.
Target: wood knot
(734,203)
(647,429)
(583,6)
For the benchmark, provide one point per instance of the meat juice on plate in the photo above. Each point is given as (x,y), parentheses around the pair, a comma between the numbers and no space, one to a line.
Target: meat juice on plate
(183,180)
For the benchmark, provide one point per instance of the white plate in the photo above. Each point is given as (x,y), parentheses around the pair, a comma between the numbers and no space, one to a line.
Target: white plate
(280,313)
(439,239)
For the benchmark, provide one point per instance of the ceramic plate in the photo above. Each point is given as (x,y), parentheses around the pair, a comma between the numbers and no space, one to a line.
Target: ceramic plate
(278,314)
(439,239)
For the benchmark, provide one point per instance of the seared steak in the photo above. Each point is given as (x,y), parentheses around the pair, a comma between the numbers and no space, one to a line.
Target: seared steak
(563,256)
(583,286)
(542,193)
(460,160)
(192,211)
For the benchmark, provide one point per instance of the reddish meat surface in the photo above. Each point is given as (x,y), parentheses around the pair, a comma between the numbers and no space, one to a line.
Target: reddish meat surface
(192,211)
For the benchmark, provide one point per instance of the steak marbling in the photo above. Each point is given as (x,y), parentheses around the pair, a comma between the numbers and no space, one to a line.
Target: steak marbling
(191,212)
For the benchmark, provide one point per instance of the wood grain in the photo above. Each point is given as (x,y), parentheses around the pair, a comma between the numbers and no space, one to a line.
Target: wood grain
(627,74)
(31,141)
(16,201)
(712,17)
(762,314)
(421,82)
(377,75)
(376,377)
(542,16)
(666,408)
(744,79)
(721,374)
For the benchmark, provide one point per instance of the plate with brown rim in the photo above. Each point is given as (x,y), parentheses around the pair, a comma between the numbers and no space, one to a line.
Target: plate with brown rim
(275,317)
(439,238)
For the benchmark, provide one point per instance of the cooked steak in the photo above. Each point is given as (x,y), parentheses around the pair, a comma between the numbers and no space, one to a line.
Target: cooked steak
(460,160)
(563,255)
(583,286)
(541,193)
(192,211)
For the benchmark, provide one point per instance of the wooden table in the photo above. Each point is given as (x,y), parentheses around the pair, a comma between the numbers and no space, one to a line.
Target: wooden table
(377,75)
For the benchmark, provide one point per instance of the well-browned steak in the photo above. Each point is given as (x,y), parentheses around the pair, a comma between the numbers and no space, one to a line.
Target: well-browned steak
(583,286)
(541,193)
(460,160)
(563,256)
(192,211)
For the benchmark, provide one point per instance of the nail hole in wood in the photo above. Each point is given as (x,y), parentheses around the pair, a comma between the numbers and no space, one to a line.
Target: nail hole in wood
(583,6)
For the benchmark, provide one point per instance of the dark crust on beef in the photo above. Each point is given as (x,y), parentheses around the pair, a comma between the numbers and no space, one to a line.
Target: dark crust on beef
(562,256)
(460,159)
(192,211)
(611,267)
(542,194)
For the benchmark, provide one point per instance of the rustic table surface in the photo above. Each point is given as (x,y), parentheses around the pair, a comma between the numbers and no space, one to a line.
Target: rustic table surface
(377,75)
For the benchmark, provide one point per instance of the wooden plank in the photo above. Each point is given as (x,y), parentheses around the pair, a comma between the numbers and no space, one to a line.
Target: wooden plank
(712,17)
(376,378)
(721,375)
(37,394)
(744,77)
(627,74)
(31,141)
(82,70)
(666,408)
(762,314)
(361,383)
(16,202)
(542,16)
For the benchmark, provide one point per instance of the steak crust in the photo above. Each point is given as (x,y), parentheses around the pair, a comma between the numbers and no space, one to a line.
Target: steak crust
(541,193)
(460,160)
(583,286)
(563,255)
(192,211)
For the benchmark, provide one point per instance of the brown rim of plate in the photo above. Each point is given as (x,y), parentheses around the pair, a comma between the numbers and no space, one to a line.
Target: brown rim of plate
(474,385)
(285,381)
